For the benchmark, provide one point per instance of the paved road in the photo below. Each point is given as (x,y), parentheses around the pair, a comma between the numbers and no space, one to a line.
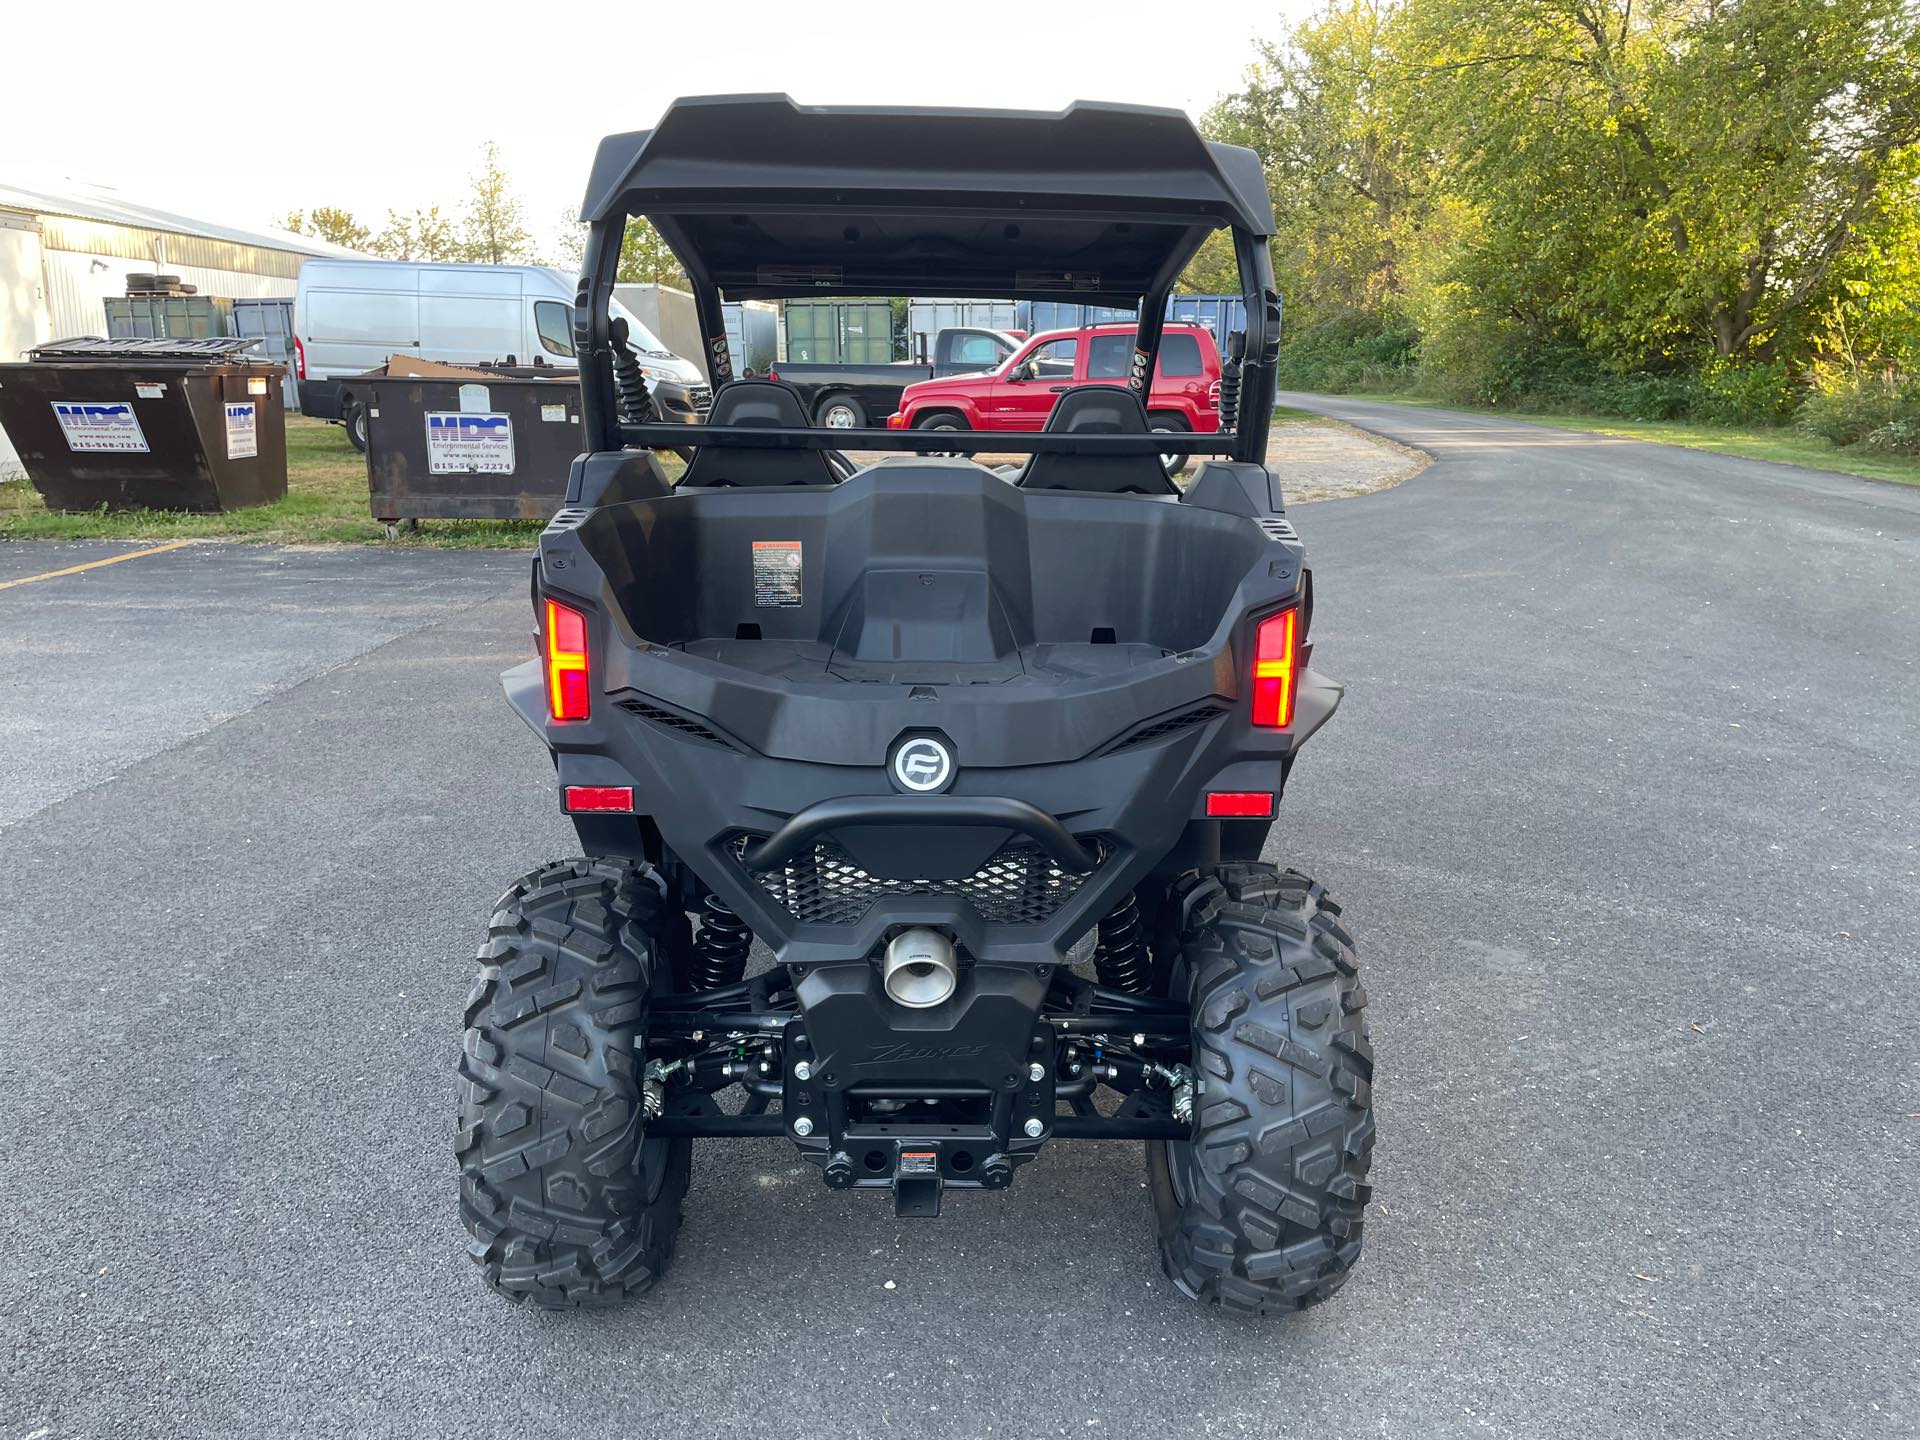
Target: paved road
(1622,804)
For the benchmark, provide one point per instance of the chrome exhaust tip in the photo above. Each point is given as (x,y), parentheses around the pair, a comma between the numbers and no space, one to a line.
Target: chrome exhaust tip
(919,970)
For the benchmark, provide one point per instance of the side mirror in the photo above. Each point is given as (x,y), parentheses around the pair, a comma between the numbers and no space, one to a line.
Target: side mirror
(1029,369)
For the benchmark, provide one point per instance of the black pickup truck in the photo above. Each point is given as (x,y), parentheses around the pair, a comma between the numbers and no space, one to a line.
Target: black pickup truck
(853,397)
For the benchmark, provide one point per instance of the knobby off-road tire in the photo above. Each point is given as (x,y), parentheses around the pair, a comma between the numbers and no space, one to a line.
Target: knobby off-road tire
(1263,1210)
(567,1203)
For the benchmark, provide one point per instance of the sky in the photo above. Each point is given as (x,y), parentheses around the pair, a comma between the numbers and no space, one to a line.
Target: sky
(371,107)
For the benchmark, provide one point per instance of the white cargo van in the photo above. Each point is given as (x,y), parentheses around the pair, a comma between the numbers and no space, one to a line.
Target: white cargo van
(350,316)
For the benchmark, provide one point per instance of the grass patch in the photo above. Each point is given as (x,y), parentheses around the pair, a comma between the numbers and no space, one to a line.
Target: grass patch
(1287,413)
(326,504)
(1777,443)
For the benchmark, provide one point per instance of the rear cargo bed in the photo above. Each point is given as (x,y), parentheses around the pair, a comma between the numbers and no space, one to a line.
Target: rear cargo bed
(923,572)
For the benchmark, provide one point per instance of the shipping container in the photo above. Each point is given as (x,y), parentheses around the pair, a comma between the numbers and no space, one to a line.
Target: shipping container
(1037,315)
(167,317)
(840,332)
(927,318)
(753,336)
(1221,314)
(272,321)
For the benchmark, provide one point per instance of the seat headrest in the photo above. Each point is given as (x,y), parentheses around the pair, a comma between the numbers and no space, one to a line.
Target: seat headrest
(758,405)
(765,404)
(1098,410)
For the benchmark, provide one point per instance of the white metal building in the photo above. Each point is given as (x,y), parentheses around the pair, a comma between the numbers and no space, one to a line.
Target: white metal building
(64,250)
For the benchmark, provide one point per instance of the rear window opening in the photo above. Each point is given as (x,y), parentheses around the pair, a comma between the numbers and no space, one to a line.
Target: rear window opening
(1180,357)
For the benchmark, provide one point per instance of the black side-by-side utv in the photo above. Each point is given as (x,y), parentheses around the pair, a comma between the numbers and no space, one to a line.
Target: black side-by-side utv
(987,758)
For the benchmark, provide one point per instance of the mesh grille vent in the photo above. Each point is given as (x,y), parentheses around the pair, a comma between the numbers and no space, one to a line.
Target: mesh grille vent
(1020,885)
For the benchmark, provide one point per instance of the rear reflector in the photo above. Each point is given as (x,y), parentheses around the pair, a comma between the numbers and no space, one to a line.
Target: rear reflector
(600,799)
(566,662)
(1240,804)
(1273,671)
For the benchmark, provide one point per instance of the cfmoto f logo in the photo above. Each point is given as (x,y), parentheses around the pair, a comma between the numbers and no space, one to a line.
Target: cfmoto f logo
(922,765)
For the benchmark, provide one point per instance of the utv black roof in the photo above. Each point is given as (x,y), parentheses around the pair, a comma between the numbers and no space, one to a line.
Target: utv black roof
(761,198)
(1098,202)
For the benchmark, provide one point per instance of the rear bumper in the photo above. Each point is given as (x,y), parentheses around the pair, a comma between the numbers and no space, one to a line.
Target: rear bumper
(320,399)
(823,861)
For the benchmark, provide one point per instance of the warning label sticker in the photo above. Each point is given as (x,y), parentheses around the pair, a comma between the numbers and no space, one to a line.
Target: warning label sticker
(776,573)
(95,425)
(243,434)
(464,443)
(919,1162)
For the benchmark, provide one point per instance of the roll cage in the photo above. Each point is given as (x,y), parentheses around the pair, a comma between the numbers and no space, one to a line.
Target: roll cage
(760,198)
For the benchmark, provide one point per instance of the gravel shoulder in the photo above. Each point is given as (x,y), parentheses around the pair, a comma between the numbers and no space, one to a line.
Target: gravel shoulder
(1327,460)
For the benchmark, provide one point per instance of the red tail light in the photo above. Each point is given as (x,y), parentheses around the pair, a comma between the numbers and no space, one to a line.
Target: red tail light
(299,359)
(566,662)
(773,374)
(1275,670)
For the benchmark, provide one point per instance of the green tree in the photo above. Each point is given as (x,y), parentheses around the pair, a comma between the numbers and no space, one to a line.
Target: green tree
(571,245)
(1871,322)
(423,234)
(325,222)
(1213,270)
(493,229)
(645,257)
(1673,177)
(1326,111)
(1551,193)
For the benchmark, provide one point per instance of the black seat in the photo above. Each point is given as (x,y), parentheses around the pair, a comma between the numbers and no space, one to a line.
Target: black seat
(1098,410)
(765,405)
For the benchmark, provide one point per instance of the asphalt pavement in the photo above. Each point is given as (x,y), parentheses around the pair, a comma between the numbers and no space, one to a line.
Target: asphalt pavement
(1623,804)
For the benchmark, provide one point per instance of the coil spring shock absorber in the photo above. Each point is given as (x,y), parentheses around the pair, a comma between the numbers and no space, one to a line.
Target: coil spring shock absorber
(720,951)
(1230,380)
(1120,958)
(629,385)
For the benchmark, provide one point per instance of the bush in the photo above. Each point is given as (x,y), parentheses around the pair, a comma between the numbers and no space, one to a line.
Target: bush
(1344,354)
(1358,353)
(1896,437)
(1858,407)
(1747,394)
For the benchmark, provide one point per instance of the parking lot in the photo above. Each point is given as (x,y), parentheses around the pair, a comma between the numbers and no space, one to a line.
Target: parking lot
(1621,805)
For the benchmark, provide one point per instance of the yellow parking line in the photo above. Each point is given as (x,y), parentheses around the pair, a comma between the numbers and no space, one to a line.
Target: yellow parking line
(96,564)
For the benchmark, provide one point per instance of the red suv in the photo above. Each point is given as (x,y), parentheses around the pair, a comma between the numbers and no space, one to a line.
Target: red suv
(1019,395)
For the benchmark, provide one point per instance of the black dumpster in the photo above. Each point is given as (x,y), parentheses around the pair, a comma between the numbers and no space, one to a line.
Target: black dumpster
(469,443)
(148,424)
